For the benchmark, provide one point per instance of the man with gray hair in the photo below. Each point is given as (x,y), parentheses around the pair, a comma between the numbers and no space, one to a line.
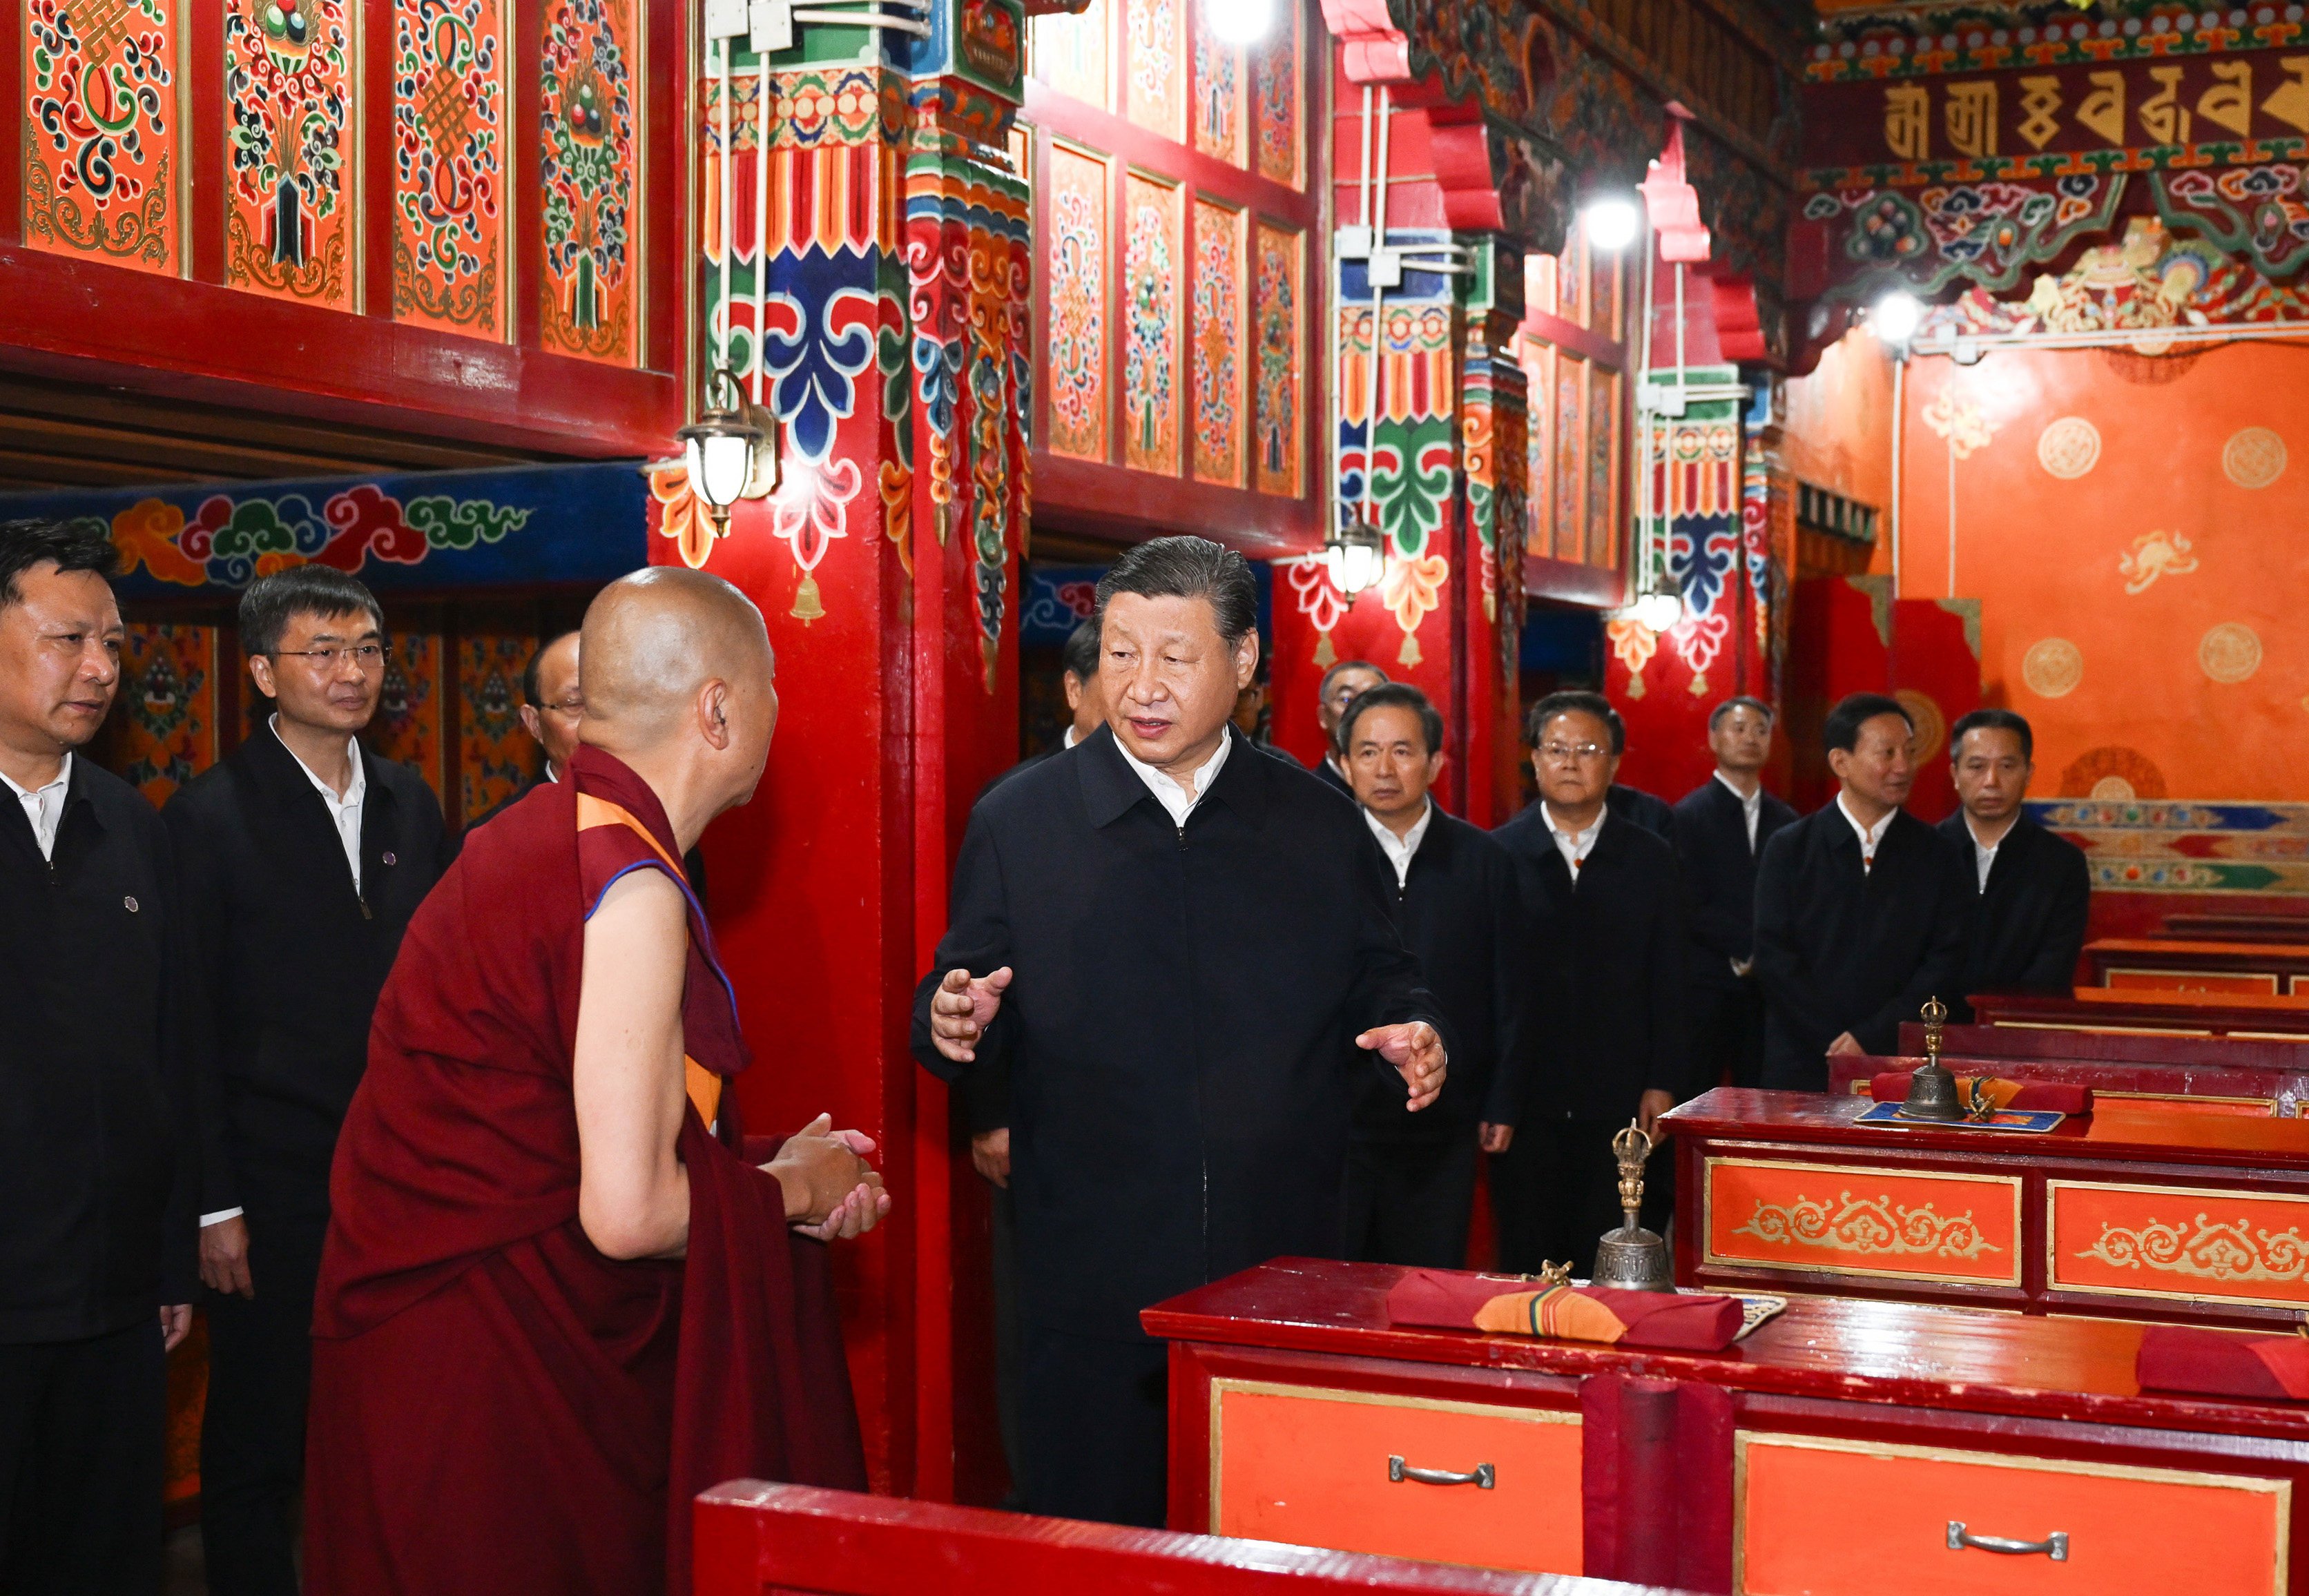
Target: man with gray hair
(1184,951)
(304,855)
(1342,684)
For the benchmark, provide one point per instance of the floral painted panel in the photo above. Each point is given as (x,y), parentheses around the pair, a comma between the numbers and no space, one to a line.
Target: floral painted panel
(104,119)
(1218,93)
(1277,402)
(590,79)
(1155,91)
(1152,281)
(1603,461)
(167,724)
(1070,53)
(1078,269)
(496,757)
(449,148)
(1570,404)
(1218,339)
(408,723)
(290,150)
(1275,102)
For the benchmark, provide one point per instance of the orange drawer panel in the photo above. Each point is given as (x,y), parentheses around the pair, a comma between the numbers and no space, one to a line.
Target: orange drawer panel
(2192,981)
(1846,1220)
(2178,1242)
(1836,1518)
(1311,1467)
(2169,1102)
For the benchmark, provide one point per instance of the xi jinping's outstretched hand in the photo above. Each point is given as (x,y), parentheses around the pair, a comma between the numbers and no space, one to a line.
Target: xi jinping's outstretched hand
(1414,1050)
(963,1007)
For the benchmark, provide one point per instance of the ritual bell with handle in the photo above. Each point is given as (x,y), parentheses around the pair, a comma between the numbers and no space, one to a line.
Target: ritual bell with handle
(1631,1258)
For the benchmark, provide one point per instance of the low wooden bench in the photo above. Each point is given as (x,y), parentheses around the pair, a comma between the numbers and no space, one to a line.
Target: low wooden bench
(756,1540)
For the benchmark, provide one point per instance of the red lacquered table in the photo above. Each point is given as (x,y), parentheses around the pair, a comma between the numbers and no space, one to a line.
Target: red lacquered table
(1830,1451)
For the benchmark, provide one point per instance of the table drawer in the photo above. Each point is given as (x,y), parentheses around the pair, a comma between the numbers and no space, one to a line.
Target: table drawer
(1311,1466)
(1888,1222)
(2180,1244)
(1838,1517)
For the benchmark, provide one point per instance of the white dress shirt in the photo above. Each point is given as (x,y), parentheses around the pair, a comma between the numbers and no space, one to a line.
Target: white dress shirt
(1751,805)
(1868,835)
(1574,845)
(43,806)
(1168,792)
(1400,849)
(1070,740)
(1984,854)
(344,812)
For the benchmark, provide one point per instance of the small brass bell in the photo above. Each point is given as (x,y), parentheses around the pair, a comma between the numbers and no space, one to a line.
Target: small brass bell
(1631,1258)
(1932,1090)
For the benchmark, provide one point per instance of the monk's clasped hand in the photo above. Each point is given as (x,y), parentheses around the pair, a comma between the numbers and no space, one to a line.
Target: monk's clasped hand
(963,1007)
(832,1193)
(1416,1052)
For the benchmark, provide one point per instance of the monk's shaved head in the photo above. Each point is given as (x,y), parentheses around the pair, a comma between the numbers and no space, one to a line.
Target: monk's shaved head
(652,640)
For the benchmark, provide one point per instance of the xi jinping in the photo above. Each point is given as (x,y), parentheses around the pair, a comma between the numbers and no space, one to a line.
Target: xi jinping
(1181,946)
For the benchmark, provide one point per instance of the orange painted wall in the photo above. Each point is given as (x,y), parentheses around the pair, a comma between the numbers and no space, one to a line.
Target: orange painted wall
(1839,431)
(2135,530)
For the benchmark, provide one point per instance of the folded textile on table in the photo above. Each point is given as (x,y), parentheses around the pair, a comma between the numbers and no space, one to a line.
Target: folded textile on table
(2207,1363)
(2053,1097)
(1517,1306)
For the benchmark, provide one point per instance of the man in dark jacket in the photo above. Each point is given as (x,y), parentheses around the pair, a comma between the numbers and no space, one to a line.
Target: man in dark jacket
(1411,1177)
(1183,948)
(1862,910)
(1340,686)
(99,1171)
(304,855)
(1607,1007)
(2035,891)
(1721,826)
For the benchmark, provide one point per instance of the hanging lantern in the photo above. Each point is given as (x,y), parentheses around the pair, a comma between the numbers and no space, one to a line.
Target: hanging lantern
(721,449)
(1356,555)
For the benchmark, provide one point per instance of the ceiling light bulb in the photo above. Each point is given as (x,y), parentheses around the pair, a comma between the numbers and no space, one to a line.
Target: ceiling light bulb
(1611,221)
(1894,317)
(1238,22)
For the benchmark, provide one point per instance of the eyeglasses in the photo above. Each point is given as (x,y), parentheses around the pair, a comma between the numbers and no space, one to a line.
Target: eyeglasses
(1570,753)
(368,656)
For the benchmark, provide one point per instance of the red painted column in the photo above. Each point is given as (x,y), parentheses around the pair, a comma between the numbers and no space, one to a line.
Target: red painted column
(891,353)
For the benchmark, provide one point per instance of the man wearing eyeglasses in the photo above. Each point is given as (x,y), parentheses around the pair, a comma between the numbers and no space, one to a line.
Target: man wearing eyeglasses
(304,855)
(1609,1040)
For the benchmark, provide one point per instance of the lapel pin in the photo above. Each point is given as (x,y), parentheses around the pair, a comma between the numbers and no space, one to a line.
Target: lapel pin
(388,859)
(129,904)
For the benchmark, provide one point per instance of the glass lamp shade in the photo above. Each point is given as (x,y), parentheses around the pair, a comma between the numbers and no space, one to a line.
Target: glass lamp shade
(1659,611)
(1894,317)
(1238,22)
(1357,560)
(719,465)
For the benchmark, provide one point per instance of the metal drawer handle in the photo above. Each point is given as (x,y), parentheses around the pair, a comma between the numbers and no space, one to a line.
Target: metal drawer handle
(2055,1546)
(1484,1477)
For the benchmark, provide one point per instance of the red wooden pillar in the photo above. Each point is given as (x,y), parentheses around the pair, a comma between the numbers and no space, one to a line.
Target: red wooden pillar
(892,273)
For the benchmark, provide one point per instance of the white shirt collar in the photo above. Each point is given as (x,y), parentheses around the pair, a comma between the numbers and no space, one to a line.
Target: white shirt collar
(1751,805)
(344,813)
(1984,854)
(1169,793)
(1400,851)
(1868,835)
(1574,845)
(44,806)
(1070,740)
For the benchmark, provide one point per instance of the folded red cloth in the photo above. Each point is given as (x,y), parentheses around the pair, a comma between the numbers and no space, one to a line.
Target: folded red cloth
(2207,1363)
(2022,1096)
(1518,1305)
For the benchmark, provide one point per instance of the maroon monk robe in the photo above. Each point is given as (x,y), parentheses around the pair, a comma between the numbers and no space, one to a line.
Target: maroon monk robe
(496,1405)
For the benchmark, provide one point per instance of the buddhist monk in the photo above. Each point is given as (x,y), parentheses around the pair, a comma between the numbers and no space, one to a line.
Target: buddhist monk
(558,1298)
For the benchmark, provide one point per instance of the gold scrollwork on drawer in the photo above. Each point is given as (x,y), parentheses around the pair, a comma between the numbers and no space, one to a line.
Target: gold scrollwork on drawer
(2178,1241)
